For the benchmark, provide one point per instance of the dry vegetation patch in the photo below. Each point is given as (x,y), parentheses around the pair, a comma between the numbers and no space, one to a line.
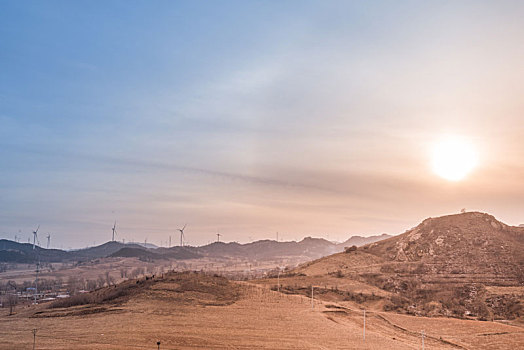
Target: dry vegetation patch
(179,288)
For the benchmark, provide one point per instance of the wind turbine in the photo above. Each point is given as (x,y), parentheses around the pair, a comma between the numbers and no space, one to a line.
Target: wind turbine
(114,231)
(48,240)
(218,236)
(182,235)
(35,236)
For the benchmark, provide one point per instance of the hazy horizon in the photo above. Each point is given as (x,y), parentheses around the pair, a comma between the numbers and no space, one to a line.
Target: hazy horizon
(250,118)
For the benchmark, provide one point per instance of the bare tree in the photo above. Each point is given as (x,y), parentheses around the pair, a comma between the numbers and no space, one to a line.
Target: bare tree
(58,284)
(12,301)
(91,285)
(11,295)
(109,279)
(101,281)
(73,284)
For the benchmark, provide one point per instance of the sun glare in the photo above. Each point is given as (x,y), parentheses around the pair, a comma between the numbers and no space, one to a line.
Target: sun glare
(453,158)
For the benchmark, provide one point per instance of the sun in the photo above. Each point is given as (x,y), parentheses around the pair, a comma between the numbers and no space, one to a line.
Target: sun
(453,158)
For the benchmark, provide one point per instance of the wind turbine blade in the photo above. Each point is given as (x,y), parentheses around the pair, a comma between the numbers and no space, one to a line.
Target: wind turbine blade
(184,227)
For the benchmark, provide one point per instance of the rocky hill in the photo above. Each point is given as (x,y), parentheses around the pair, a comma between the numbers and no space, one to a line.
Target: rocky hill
(473,244)
(468,264)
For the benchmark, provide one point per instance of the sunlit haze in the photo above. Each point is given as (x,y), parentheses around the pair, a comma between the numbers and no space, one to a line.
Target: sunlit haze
(453,158)
(325,119)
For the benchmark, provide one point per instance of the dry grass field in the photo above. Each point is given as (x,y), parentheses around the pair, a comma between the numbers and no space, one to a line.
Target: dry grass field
(197,311)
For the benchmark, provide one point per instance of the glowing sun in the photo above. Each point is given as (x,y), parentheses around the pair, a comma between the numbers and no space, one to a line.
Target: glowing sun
(453,158)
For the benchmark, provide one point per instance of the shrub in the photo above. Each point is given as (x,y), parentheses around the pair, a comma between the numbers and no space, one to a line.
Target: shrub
(337,274)
(75,300)
(350,249)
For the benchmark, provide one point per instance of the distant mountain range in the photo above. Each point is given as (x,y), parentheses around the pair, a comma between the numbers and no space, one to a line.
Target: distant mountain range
(360,241)
(310,248)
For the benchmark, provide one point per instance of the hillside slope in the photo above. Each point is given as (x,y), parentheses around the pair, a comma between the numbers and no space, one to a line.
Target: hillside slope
(470,243)
(463,265)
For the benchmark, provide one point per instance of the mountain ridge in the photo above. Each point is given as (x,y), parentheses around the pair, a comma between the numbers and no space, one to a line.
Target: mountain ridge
(308,247)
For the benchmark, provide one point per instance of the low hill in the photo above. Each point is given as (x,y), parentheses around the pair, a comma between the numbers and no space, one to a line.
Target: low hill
(181,288)
(143,244)
(102,250)
(11,251)
(360,241)
(147,254)
(140,253)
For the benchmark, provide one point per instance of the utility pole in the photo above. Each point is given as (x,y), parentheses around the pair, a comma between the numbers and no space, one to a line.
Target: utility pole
(364,334)
(278,279)
(34,338)
(312,300)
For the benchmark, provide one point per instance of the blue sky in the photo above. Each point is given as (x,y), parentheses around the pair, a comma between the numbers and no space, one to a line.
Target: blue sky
(252,117)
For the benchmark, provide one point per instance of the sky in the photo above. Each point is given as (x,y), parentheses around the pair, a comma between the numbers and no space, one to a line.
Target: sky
(248,118)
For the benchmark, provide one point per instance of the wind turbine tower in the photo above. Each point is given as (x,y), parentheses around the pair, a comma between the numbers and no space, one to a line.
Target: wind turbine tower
(48,240)
(114,231)
(35,233)
(182,235)
(218,237)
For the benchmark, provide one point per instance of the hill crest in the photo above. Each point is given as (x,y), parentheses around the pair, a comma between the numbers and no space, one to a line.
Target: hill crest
(472,237)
